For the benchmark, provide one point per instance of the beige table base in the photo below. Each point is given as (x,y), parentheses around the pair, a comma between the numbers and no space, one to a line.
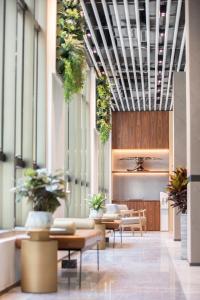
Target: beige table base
(101,227)
(39,266)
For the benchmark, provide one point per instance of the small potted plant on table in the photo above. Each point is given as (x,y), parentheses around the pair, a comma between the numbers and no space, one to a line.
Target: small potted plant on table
(96,205)
(44,190)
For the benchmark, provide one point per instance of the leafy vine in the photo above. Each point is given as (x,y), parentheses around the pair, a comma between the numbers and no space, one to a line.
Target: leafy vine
(71,60)
(103,109)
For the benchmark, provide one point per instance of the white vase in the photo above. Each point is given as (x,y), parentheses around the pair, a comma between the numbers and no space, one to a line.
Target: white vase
(184,236)
(96,214)
(39,220)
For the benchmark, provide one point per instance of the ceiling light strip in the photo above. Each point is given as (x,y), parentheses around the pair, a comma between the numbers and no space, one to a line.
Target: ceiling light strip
(179,60)
(114,46)
(178,13)
(140,49)
(165,50)
(98,49)
(107,52)
(156,50)
(131,49)
(123,49)
(148,49)
(91,54)
(94,61)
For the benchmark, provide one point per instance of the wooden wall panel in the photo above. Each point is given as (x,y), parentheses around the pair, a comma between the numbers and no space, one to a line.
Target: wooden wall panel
(153,211)
(140,130)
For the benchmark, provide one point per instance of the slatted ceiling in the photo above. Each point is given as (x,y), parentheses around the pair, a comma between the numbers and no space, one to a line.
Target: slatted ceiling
(140,74)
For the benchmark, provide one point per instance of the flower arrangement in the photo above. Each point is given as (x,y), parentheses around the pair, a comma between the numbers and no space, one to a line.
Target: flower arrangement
(71,59)
(103,109)
(177,189)
(41,188)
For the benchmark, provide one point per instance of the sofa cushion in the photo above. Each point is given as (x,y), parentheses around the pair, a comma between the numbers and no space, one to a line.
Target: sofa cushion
(112,208)
(131,220)
(123,207)
(63,227)
(80,223)
(110,217)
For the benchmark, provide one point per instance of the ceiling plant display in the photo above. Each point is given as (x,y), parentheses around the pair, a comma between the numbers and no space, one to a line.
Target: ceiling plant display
(103,109)
(71,59)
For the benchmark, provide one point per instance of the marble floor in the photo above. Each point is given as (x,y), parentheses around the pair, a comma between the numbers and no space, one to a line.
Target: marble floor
(144,268)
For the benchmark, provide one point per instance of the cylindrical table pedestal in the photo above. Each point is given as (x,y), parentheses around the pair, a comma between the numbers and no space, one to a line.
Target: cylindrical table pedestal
(102,228)
(39,266)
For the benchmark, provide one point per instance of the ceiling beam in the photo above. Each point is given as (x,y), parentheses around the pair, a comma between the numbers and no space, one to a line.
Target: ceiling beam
(107,52)
(98,50)
(148,49)
(156,51)
(178,13)
(115,6)
(140,50)
(165,50)
(114,47)
(131,49)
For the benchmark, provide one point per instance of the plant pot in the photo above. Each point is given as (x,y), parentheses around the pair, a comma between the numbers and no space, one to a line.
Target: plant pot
(39,220)
(96,214)
(184,236)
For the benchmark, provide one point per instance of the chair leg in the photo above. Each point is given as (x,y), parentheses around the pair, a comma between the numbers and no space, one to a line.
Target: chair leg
(121,234)
(98,256)
(114,238)
(80,270)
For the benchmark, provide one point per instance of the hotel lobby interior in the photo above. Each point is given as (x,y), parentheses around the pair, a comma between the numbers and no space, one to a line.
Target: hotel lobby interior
(99,149)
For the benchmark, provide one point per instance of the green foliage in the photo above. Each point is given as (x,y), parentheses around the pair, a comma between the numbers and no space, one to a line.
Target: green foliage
(97,201)
(177,189)
(42,188)
(71,59)
(103,109)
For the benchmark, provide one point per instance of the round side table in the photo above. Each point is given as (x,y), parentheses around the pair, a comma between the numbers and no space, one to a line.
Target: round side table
(39,264)
(101,227)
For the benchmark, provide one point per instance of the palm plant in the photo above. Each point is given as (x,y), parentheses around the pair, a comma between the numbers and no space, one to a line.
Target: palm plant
(177,189)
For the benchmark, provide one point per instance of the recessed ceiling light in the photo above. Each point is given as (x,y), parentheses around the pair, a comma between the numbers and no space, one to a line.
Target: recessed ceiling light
(89,34)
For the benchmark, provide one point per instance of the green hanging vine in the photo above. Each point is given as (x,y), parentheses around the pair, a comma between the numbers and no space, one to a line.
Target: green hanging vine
(103,109)
(71,60)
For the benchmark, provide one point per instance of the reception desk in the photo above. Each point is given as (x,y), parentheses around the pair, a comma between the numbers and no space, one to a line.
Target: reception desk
(152,208)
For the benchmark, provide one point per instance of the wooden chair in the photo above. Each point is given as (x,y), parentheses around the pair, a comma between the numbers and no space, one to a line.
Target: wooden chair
(135,221)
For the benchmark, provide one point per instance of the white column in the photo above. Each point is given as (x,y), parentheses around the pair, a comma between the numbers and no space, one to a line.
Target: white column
(192,10)
(93,135)
(51,69)
(179,135)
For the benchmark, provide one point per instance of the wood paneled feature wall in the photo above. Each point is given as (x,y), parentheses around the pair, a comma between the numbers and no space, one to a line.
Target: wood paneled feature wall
(140,130)
(153,211)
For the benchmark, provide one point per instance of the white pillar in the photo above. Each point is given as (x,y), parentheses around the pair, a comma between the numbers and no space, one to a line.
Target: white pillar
(93,135)
(192,10)
(179,135)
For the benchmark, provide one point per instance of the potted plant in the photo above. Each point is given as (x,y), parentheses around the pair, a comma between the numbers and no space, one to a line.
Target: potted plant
(44,190)
(96,205)
(177,194)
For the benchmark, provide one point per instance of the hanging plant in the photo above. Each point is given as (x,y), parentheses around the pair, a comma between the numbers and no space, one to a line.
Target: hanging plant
(71,60)
(103,109)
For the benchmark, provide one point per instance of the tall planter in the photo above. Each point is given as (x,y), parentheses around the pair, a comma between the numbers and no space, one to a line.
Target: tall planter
(184,236)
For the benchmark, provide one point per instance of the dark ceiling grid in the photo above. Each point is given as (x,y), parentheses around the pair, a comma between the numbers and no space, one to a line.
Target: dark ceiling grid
(137,44)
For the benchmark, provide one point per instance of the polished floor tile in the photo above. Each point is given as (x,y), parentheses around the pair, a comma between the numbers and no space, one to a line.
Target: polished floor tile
(147,268)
